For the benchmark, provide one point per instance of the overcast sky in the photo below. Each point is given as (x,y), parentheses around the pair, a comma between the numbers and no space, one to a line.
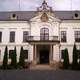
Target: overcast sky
(26,5)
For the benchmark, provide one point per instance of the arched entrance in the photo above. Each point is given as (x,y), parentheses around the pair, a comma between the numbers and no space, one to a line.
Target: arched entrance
(44,50)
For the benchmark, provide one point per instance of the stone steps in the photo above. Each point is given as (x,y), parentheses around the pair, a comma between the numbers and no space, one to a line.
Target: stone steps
(41,67)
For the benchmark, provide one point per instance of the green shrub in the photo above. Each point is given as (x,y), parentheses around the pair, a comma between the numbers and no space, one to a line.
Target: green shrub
(5,59)
(14,59)
(21,59)
(66,59)
(75,58)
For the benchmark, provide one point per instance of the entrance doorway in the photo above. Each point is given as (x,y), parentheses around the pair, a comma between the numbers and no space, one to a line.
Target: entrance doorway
(44,56)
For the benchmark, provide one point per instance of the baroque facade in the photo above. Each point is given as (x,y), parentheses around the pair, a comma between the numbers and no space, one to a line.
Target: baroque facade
(43,34)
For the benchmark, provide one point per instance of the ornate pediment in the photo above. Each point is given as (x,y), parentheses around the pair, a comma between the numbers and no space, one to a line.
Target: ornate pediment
(44,14)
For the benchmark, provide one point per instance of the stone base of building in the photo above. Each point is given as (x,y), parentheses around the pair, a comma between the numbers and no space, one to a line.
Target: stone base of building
(53,64)
(56,64)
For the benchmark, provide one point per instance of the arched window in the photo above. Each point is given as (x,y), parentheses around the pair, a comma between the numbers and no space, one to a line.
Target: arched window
(44,34)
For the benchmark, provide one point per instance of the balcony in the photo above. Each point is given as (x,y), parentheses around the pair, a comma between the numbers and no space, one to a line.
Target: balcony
(42,39)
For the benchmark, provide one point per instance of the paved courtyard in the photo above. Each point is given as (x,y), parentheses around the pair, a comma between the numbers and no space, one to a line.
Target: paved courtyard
(39,75)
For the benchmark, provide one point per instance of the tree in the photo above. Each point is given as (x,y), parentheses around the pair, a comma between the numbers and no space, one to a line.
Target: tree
(5,59)
(14,59)
(75,57)
(21,59)
(66,59)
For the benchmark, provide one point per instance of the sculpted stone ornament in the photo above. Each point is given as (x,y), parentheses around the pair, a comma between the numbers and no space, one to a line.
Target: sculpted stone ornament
(44,17)
(44,7)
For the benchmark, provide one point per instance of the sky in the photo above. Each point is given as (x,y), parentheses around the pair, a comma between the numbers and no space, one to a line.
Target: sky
(31,5)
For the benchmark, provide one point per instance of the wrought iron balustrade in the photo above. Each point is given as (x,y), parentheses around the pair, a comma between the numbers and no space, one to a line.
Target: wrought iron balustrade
(39,38)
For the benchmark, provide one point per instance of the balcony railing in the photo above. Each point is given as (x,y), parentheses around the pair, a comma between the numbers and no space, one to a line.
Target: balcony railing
(39,38)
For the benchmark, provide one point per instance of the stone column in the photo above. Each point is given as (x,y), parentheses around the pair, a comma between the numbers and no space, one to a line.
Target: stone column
(56,56)
(34,54)
(51,54)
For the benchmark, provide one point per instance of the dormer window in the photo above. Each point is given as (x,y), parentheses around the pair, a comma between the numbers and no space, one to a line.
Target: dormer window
(76,15)
(13,16)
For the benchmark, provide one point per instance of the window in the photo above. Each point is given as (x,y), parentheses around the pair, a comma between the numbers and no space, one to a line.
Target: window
(11,52)
(25,52)
(44,34)
(76,14)
(63,36)
(13,15)
(0,54)
(62,54)
(77,36)
(25,36)
(78,54)
(12,36)
(0,36)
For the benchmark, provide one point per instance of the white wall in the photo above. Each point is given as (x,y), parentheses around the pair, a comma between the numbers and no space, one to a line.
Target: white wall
(18,27)
(70,27)
(53,28)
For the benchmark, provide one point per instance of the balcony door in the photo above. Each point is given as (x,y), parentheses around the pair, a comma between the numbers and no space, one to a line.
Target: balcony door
(44,34)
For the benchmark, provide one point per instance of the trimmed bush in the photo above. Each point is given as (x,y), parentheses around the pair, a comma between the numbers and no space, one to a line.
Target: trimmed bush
(21,59)
(14,59)
(5,59)
(75,58)
(66,59)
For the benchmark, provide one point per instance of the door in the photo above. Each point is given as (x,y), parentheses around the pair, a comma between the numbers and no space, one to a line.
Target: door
(44,56)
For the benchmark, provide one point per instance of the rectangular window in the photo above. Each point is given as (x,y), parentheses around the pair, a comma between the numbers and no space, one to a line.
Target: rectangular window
(11,52)
(25,36)
(25,52)
(77,36)
(0,36)
(63,36)
(78,54)
(44,34)
(12,36)
(0,54)
(62,54)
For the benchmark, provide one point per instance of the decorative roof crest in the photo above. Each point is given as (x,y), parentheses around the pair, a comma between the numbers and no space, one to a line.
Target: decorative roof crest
(44,7)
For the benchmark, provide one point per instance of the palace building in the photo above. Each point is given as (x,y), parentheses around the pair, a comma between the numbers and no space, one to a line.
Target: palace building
(43,34)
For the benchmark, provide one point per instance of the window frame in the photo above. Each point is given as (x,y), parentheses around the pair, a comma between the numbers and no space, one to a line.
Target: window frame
(25,51)
(77,36)
(0,54)
(78,54)
(44,34)
(25,36)
(0,36)
(12,37)
(64,36)
(10,54)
